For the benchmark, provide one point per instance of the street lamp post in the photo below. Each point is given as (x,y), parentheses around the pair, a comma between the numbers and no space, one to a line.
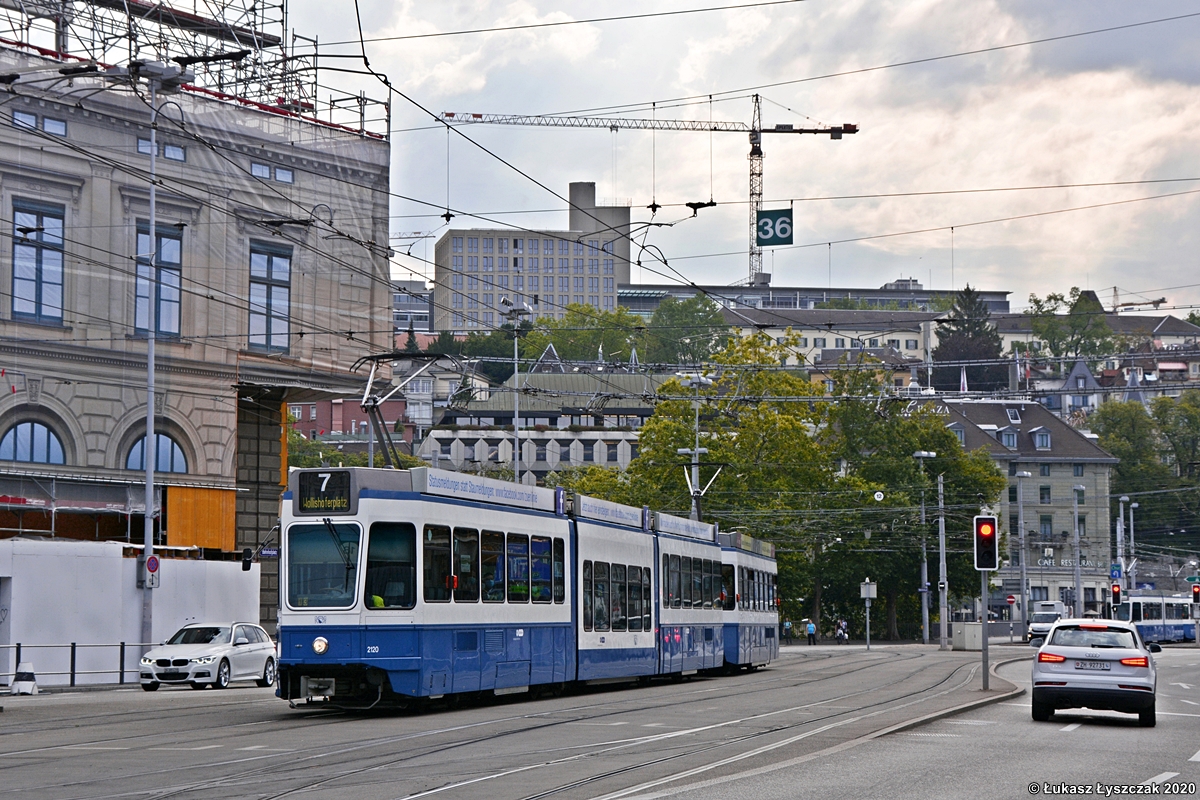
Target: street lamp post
(513,315)
(1079,604)
(1132,551)
(921,455)
(1024,555)
(695,381)
(943,584)
(163,78)
(1121,537)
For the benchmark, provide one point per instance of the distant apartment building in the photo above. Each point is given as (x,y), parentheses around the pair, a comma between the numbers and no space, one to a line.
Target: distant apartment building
(545,269)
(905,294)
(412,307)
(911,334)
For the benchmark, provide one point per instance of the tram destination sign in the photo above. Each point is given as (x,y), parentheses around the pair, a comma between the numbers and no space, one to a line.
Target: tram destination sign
(460,486)
(681,526)
(605,511)
(324,492)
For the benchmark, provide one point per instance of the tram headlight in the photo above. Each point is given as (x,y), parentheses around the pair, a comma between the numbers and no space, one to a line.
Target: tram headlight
(320,645)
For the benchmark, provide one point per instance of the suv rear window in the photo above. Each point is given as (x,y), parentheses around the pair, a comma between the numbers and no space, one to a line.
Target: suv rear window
(1098,636)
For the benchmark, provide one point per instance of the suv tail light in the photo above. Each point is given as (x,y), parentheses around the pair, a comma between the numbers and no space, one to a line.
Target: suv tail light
(1051,658)
(1137,661)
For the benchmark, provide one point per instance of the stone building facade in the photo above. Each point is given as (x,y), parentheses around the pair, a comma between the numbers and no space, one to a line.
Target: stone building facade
(267,291)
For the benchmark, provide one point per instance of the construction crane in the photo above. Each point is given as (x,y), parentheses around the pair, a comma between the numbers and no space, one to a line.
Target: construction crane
(755,129)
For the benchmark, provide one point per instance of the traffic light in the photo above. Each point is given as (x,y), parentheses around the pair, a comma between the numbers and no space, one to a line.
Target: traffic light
(987,544)
(1116,594)
(1196,592)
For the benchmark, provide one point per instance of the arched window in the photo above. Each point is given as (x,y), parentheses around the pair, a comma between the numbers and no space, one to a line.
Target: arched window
(31,441)
(170,455)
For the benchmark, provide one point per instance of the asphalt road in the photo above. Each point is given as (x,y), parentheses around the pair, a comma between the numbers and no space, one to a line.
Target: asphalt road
(768,729)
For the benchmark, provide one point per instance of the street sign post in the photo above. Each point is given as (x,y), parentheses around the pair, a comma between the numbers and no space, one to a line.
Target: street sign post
(1114,572)
(866,590)
(152,572)
(773,228)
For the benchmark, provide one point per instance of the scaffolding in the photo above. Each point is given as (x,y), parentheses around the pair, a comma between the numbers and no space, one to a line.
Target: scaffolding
(279,71)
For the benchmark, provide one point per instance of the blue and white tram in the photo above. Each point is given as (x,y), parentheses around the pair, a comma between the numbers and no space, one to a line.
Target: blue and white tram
(1160,617)
(616,625)
(399,584)
(751,624)
(690,568)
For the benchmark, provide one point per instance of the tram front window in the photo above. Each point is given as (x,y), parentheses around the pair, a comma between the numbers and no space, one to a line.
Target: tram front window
(391,565)
(322,565)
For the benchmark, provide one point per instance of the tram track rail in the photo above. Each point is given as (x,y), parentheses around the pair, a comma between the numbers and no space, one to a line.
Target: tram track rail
(281,766)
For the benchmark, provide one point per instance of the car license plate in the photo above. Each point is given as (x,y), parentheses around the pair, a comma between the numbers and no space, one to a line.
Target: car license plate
(1092,665)
(171,676)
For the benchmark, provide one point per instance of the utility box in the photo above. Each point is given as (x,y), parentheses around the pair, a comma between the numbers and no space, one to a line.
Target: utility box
(967,636)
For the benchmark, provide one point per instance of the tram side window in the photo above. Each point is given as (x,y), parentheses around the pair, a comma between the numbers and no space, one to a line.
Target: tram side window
(698,583)
(1151,611)
(1137,612)
(635,598)
(392,565)
(587,595)
(707,590)
(541,576)
(646,595)
(676,598)
(743,596)
(685,581)
(619,620)
(466,565)
(1177,611)
(560,571)
(665,579)
(600,579)
(1123,612)
(438,580)
(518,568)
(727,587)
(774,591)
(493,567)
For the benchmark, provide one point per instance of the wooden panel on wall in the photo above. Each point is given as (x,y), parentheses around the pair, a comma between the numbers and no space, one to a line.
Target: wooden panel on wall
(201,517)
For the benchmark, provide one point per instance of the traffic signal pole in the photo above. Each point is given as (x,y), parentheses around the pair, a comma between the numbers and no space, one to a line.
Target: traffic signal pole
(983,594)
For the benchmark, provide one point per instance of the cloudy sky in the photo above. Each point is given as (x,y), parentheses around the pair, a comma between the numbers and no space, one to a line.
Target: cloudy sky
(1116,106)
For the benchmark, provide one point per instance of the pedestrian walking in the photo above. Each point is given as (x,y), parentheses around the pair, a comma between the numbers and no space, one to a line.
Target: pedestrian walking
(787,630)
(812,632)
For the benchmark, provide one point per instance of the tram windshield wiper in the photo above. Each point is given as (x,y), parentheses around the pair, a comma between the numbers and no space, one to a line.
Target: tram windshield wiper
(338,543)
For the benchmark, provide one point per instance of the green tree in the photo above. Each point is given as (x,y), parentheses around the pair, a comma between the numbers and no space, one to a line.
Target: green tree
(684,331)
(803,474)
(968,335)
(584,332)
(410,341)
(446,343)
(1073,325)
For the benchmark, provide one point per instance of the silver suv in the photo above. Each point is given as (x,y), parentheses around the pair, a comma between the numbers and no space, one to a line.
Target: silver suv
(1097,664)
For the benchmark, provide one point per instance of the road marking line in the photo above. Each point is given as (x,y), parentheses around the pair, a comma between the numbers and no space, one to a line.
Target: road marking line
(188,749)
(1165,776)
(1184,685)
(950,735)
(1071,727)
(970,722)
(1189,702)
(96,747)
(1195,757)
(254,747)
(599,724)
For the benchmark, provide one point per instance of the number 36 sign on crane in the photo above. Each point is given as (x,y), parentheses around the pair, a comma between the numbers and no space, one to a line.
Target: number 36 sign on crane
(774,228)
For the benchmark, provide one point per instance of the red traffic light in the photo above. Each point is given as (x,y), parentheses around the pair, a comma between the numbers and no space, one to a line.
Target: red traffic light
(1116,594)
(1196,592)
(987,546)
